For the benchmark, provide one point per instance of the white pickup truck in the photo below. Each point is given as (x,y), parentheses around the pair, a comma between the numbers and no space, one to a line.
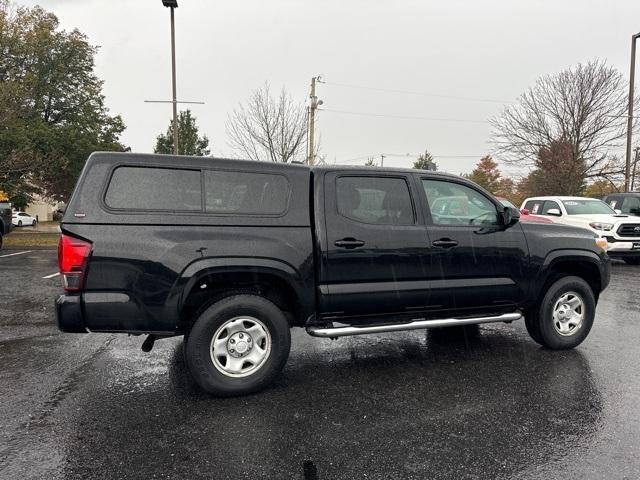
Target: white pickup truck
(622,232)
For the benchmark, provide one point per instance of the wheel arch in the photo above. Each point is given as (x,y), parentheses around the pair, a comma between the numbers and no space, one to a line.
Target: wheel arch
(207,281)
(582,264)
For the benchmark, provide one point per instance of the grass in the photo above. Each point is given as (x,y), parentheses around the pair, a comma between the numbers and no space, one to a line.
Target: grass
(31,240)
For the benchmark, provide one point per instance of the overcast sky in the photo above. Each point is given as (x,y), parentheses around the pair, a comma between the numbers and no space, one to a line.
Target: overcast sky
(485,50)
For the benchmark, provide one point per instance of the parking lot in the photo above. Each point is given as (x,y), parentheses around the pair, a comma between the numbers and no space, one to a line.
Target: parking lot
(483,403)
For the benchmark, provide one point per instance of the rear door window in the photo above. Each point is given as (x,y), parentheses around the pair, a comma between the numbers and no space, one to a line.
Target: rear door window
(375,200)
(534,206)
(150,188)
(245,193)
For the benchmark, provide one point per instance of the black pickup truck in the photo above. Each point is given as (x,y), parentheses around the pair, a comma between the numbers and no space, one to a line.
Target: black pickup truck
(232,253)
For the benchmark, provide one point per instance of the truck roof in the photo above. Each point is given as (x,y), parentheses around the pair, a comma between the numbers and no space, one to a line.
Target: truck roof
(194,161)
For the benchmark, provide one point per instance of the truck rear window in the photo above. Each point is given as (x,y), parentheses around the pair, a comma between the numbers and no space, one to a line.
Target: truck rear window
(148,188)
(245,193)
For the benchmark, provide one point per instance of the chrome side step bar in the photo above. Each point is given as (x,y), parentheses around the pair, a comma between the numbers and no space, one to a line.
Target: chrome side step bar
(413,325)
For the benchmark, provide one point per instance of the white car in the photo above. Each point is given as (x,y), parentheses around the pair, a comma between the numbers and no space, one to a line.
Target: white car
(20,219)
(622,232)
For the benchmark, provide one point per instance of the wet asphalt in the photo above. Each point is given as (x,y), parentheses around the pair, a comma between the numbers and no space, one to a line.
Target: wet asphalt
(450,404)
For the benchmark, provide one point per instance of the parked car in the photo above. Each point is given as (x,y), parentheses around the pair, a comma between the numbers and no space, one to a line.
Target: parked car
(525,216)
(626,203)
(622,232)
(21,219)
(232,254)
(5,220)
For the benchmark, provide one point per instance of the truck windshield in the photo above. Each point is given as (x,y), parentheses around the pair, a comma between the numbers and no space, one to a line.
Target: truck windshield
(587,207)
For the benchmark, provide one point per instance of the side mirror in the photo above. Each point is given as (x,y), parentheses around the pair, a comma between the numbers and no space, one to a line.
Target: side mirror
(524,211)
(555,212)
(618,211)
(510,216)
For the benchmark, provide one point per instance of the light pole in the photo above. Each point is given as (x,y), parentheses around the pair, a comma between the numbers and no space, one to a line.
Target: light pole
(627,169)
(174,101)
(172,5)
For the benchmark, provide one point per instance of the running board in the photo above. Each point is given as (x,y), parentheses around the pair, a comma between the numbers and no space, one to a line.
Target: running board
(334,332)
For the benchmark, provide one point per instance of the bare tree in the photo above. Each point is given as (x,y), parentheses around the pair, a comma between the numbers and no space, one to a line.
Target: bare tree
(269,128)
(584,107)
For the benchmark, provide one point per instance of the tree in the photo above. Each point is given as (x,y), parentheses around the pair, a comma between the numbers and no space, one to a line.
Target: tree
(486,174)
(557,171)
(53,113)
(425,162)
(582,108)
(601,188)
(267,128)
(370,162)
(189,142)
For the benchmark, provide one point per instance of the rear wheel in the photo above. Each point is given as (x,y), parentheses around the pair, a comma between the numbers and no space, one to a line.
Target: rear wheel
(19,223)
(565,315)
(238,345)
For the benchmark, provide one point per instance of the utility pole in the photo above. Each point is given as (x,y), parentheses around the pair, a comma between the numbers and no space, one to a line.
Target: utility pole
(382,155)
(635,164)
(632,73)
(173,4)
(313,106)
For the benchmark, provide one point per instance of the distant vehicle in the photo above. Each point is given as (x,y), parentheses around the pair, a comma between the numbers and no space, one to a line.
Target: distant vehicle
(233,253)
(21,219)
(525,216)
(5,220)
(625,203)
(622,232)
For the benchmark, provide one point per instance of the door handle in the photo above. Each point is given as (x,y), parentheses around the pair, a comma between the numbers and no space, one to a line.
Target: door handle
(445,243)
(349,243)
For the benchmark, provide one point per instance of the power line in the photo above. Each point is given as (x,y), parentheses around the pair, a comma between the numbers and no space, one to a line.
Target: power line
(424,94)
(404,117)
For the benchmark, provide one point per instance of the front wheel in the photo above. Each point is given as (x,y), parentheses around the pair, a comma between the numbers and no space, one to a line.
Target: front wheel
(565,315)
(238,345)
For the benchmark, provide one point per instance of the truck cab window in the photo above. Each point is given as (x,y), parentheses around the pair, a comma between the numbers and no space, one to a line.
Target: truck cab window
(458,205)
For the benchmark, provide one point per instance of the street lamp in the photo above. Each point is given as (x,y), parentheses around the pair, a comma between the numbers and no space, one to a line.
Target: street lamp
(627,168)
(173,4)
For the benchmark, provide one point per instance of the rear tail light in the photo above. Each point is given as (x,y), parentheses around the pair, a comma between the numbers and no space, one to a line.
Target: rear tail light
(72,261)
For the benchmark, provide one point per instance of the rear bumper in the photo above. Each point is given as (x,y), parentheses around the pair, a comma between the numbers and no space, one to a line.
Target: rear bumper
(69,314)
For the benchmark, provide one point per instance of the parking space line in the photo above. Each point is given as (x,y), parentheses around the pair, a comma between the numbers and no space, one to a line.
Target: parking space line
(18,253)
(52,275)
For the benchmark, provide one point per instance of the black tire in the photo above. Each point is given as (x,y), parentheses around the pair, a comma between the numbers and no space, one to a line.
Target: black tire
(198,347)
(531,322)
(540,323)
(0,238)
(19,223)
(632,260)
(34,224)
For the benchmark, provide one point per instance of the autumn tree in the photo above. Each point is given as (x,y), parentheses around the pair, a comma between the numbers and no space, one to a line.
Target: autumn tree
(52,110)
(269,128)
(189,140)
(486,174)
(425,162)
(583,109)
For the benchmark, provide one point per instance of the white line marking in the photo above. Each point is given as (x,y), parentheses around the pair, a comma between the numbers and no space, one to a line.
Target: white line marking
(12,254)
(52,275)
